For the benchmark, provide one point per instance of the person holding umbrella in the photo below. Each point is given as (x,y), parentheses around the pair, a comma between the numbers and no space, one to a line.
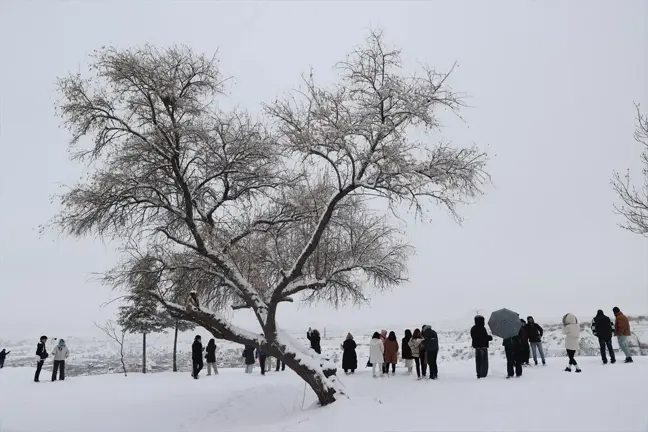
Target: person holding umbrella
(506,324)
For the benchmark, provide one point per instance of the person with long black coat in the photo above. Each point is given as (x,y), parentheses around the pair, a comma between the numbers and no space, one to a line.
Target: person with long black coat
(248,355)
(603,329)
(41,353)
(314,338)
(431,343)
(197,356)
(514,354)
(349,355)
(480,342)
(3,356)
(525,347)
(406,351)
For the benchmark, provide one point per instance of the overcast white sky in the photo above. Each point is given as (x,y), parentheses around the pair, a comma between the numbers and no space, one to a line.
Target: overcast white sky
(552,86)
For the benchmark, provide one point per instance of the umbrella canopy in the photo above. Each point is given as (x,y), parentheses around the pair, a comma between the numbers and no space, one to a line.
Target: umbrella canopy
(505,323)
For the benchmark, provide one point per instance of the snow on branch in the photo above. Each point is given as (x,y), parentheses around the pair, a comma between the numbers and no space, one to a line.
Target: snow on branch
(633,206)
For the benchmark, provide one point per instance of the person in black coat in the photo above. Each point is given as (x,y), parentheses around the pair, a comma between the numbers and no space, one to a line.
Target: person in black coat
(196,356)
(513,347)
(534,332)
(314,338)
(349,355)
(603,328)
(248,355)
(431,344)
(210,357)
(422,356)
(480,342)
(524,341)
(41,353)
(406,351)
(3,356)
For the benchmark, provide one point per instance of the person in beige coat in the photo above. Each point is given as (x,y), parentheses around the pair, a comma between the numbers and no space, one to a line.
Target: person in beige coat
(571,330)
(60,353)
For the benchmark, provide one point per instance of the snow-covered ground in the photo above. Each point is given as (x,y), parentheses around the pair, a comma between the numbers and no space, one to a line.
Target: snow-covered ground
(602,398)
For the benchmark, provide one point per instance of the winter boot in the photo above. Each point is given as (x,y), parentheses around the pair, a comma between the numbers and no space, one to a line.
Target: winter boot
(578,369)
(612,361)
(567,369)
(629,360)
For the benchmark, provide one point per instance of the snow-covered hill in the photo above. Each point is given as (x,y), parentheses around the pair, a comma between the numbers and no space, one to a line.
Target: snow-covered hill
(97,355)
(602,398)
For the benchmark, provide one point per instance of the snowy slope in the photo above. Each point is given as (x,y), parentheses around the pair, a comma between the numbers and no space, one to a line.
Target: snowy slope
(544,399)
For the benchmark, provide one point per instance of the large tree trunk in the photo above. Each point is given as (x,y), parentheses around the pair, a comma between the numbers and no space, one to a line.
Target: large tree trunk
(143,352)
(175,348)
(307,364)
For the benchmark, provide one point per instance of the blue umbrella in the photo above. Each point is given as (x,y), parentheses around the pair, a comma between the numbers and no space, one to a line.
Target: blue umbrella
(505,323)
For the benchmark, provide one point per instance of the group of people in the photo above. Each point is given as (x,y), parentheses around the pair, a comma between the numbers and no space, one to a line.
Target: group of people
(197,357)
(59,353)
(518,348)
(419,349)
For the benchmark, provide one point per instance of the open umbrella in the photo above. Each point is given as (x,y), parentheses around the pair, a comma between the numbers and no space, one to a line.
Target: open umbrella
(505,323)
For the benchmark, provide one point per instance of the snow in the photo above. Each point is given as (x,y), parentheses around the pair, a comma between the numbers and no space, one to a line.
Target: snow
(602,398)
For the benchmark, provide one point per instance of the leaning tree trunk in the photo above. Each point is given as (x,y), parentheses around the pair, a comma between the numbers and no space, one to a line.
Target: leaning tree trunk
(175,348)
(143,352)
(318,380)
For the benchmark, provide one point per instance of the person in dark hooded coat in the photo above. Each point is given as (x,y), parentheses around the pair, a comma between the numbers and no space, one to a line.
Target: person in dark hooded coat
(514,354)
(314,338)
(480,342)
(431,344)
(525,348)
(534,332)
(406,351)
(349,355)
(603,329)
(248,355)
(197,357)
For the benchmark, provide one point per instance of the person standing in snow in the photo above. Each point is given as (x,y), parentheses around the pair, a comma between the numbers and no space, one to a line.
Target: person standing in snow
(603,329)
(431,344)
(3,356)
(349,355)
(248,355)
(391,353)
(534,332)
(383,338)
(422,355)
(571,330)
(480,342)
(60,353)
(415,345)
(376,354)
(514,355)
(622,330)
(261,355)
(210,357)
(280,364)
(315,339)
(526,350)
(407,351)
(197,356)
(41,353)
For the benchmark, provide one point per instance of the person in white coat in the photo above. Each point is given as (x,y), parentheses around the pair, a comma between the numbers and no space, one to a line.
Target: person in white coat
(376,354)
(60,353)
(571,330)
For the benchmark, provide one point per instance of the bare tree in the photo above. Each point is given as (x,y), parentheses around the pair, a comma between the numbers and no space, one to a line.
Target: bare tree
(634,198)
(111,331)
(252,213)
